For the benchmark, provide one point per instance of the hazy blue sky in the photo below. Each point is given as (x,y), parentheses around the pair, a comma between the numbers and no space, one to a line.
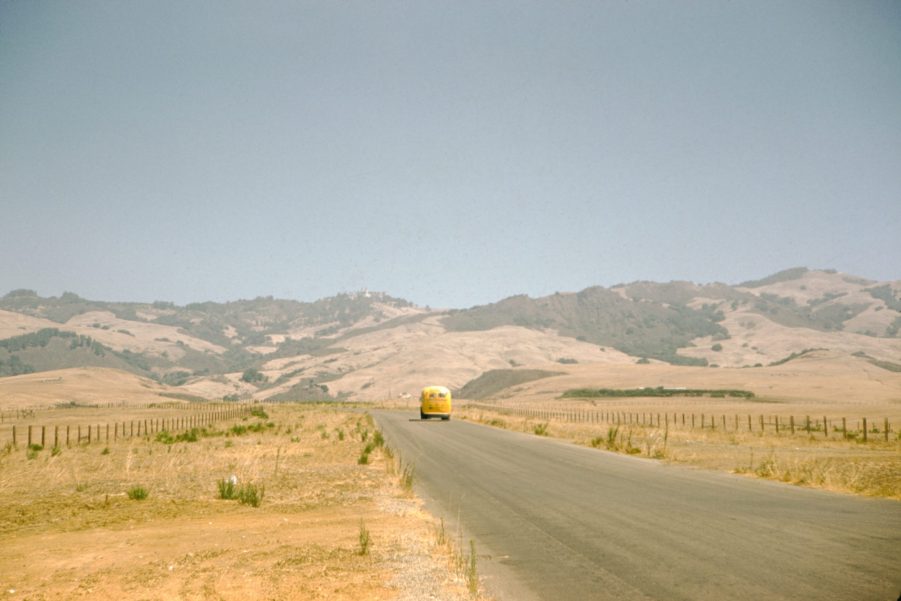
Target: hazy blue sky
(451,153)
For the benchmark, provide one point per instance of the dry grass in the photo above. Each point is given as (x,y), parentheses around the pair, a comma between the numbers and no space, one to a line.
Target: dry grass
(872,469)
(71,530)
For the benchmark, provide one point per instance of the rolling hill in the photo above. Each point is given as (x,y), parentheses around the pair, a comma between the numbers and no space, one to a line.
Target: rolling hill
(370,345)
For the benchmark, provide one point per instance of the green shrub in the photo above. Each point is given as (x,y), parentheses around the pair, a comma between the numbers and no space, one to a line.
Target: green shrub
(250,494)
(611,442)
(137,493)
(190,436)
(227,489)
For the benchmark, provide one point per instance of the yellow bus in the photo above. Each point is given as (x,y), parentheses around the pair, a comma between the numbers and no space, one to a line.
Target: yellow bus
(435,401)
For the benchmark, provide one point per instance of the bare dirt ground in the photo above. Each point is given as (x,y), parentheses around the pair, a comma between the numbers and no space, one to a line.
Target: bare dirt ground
(328,526)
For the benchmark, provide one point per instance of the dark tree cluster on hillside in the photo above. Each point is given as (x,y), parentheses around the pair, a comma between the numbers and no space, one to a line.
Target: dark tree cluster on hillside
(14,366)
(253,375)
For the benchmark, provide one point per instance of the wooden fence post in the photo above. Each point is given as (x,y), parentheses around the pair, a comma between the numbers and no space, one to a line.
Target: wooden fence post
(776,420)
(55,437)
(825,427)
(807,425)
(864,429)
(43,436)
(67,437)
(886,429)
(29,436)
(844,428)
(79,435)
(791,421)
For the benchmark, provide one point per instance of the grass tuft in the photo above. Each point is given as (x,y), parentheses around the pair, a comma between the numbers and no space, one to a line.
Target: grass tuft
(364,538)
(227,489)
(259,412)
(250,494)
(33,450)
(441,536)
(472,574)
(406,478)
(137,493)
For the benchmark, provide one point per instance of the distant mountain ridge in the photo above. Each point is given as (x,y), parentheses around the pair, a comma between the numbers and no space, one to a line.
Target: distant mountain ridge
(365,344)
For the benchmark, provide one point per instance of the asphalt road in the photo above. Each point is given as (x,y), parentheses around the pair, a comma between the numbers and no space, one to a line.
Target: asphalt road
(554,521)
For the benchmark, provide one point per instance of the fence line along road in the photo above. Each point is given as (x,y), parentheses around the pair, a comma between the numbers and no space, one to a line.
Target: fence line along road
(861,429)
(24,413)
(112,431)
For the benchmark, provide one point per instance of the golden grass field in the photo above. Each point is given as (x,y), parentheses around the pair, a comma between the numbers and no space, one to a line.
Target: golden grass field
(832,462)
(328,527)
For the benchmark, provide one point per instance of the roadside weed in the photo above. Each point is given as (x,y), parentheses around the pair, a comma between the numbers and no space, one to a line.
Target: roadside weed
(227,489)
(250,494)
(137,493)
(472,574)
(364,539)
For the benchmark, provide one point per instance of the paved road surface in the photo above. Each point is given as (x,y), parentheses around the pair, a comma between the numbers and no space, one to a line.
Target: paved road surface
(570,523)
